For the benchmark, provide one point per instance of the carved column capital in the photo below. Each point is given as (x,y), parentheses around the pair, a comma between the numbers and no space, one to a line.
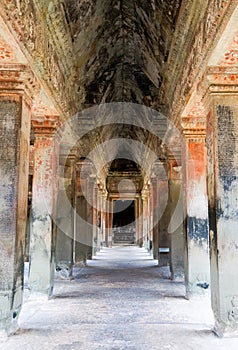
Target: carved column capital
(18,79)
(195,132)
(47,127)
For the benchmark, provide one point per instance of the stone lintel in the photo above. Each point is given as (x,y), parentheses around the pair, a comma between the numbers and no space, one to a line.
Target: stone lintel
(223,89)
(222,78)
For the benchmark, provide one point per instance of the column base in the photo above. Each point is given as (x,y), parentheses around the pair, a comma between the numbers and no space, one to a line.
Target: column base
(226,331)
(83,253)
(36,289)
(164,257)
(10,307)
(80,264)
(39,296)
(139,243)
(10,328)
(64,270)
(197,289)
(177,276)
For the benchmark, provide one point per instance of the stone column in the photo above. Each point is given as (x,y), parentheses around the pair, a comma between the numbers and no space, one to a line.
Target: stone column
(83,233)
(151,219)
(194,161)
(96,210)
(154,183)
(14,164)
(100,217)
(164,218)
(44,200)
(145,199)
(91,211)
(140,224)
(139,221)
(136,221)
(176,228)
(222,140)
(109,222)
(65,218)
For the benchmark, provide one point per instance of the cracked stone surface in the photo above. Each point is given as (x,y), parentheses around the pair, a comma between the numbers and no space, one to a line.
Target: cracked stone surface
(121,300)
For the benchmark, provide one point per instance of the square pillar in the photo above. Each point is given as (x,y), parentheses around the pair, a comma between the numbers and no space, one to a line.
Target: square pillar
(85,184)
(222,131)
(109,221)
(100,222)
(14,165)
(140,223)
(194,161)
(155,209)
(44,199)
(175,228)
(163,224)
(151,219)
(91,213)
(65,219)
(103,217)
(145,201)
(95,209)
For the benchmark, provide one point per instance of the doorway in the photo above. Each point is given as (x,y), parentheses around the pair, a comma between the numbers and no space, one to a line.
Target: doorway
(123,222)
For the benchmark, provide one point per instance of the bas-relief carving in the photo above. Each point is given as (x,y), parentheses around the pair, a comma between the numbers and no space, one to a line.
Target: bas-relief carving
(123,184)
(202,43)
(6,53)
(47,48)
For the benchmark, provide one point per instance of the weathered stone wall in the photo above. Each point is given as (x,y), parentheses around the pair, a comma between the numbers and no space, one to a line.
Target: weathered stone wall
(14,164)
(10,122)
(41,29)
(194,39)
(223,176)
(122,48)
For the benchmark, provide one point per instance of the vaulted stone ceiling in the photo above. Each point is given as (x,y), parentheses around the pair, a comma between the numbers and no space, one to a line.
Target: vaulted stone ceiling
(120,52)
(86,53)
(121,48)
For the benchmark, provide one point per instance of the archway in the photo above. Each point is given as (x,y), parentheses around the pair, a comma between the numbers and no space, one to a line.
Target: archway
(124,222)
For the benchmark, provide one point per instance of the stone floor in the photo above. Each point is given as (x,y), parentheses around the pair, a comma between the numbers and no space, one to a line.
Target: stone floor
(122,300)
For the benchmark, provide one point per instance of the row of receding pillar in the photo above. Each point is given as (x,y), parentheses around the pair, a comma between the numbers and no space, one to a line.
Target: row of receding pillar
(56,204)
(82,218)
(210,173)
(189,211)
(15,124)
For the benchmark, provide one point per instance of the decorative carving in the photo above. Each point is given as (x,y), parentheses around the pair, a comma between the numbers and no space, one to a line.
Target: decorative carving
(40,108)
(20,78)
(194,122)
(47,40)
(222,75)
(189,71)
(231,56)
(47,126)
(122,184)
(6,52)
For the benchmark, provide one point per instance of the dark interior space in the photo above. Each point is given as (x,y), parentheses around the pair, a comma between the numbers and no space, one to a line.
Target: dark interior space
(124,213)
(124,222)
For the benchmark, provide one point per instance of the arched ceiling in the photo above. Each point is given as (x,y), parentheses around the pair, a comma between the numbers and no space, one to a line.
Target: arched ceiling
(121,48)
(146,52)
(120,53)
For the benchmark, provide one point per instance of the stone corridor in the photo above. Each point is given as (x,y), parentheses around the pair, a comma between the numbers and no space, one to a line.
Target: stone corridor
(121,300)
(118,124)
